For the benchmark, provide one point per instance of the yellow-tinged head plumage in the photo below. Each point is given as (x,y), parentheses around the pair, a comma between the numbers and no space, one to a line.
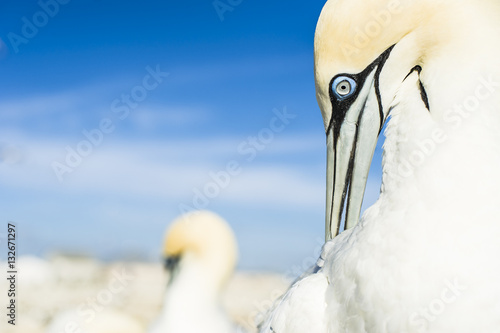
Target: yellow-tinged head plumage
(351,34)
(203,237)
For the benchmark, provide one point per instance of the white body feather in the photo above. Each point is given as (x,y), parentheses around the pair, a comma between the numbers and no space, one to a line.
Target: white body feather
(192,305)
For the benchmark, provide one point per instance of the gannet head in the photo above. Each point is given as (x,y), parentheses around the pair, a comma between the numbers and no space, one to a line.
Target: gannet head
(363,51)
(201,238)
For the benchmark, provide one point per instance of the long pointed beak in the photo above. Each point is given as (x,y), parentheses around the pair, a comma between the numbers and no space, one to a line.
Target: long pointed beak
(350,148)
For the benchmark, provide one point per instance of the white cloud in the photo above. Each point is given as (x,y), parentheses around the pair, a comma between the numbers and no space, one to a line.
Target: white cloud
(36,105)
(43,105)
(277,185)
(169,170)
(151,118)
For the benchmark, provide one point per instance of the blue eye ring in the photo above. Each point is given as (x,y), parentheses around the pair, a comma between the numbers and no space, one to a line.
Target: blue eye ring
(343,87)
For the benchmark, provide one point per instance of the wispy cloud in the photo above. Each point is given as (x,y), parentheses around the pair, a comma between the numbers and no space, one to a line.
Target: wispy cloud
(65,114)
(167,169)
(162,117)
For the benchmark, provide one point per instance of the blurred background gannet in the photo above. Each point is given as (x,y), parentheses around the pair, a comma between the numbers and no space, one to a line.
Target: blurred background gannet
(200,255)
(424,257)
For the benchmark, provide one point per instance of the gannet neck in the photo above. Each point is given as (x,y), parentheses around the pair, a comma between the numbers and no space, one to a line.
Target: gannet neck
(195,280)
(446,150)
(192,303)
(191,288)
(458,54)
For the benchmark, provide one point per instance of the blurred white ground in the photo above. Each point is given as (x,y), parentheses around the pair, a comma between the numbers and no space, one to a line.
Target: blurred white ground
(76,294)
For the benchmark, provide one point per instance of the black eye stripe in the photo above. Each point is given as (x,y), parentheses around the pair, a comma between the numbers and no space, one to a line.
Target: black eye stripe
(340,107)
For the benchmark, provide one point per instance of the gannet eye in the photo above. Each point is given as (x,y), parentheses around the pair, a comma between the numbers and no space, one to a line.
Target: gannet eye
(343,87)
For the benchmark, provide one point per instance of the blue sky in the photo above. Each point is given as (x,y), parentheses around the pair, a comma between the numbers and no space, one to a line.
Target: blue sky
(216,99)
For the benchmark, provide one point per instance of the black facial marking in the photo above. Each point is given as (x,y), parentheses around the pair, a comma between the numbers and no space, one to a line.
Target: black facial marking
(340,107)
(349,176)
(339,110)
(170,263)
(423,93)
(382,59)
(417,69)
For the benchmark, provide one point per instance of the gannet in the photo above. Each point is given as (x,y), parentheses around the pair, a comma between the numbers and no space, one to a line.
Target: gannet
(200,255)
(424,257)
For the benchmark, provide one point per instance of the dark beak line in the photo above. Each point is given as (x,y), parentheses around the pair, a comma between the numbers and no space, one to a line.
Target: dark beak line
(348,180)
(339,111)
(351,161)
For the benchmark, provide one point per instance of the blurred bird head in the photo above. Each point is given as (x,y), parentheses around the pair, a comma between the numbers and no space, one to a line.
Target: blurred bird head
(204,240)
(364,51)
